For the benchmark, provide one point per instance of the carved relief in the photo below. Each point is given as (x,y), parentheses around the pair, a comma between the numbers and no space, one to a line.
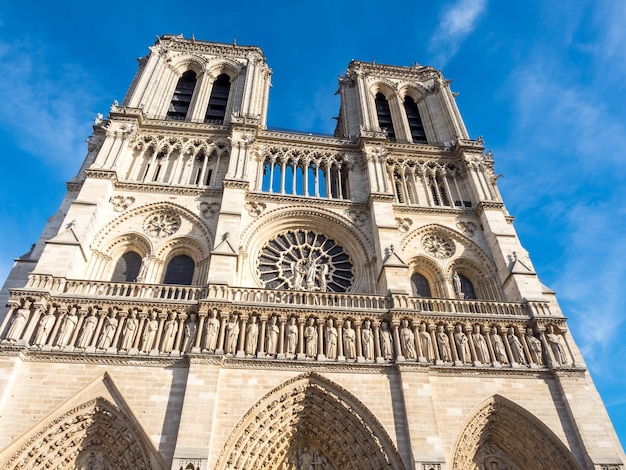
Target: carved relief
(209,209)
(438,246)
(255,208)
(467,227)
(162,225)
(121,203)
(403,224)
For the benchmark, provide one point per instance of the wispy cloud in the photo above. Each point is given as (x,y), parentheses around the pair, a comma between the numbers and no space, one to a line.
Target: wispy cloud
(455,26)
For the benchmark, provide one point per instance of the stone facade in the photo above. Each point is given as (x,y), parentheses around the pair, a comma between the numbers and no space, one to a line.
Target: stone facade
(214,294)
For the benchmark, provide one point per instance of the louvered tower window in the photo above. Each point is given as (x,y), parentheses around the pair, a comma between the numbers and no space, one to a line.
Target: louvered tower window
(415,121)
(384,116)
(182,97)
(216,111)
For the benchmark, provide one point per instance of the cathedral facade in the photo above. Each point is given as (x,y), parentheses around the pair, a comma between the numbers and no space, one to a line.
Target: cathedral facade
(215,294)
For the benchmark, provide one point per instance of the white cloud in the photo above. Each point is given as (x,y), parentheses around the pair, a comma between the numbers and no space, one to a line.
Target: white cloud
(456,24)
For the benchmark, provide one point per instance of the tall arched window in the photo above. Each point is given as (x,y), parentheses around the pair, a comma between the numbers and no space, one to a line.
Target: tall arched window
(467,288)
(179,270)
(127,267)
(182,97)
(420,285)
(415,121)
(384,116)
(216,111)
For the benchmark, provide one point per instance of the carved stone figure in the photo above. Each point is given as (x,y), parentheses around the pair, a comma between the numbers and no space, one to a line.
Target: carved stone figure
(517,350)
(211,330)
(367,340)
(292,337)
(386,345)
(349,341)
(324,269)
(232,334)
(271,336)
(310,337)
(462,345)
(252,336)
(426,343)
(67,328)
(190,333)
(456,279)
(108,331)
(407,338)
(149,333)
(296,275)
(535,348)
(129,332)
(498,347)
(86,333)
(331,340)
(555,345)
(17,325)
(480,344)
(311,274)
(169,334)
(443,341)
(43,328)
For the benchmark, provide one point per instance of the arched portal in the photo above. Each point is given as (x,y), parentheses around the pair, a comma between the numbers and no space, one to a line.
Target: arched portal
(309,422)
(502,435)
(96,434)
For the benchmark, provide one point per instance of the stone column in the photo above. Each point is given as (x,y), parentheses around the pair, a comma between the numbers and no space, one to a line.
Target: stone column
(280,352)
(340,356)
(50,340)
(418,343)
(142,320)
(12,306)
(359,344)
(179,334)
(120,325)
(261,347)
(433,338)
(455,357)
(470,340)
(196,347)
(220,339)
(320,340)
(377,354)
(156,347)
(31,325)
(301,322)
(241,345)
(507,347)
(92,345)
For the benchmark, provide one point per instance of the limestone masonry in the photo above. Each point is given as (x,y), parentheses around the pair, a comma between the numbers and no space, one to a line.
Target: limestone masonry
(215,294)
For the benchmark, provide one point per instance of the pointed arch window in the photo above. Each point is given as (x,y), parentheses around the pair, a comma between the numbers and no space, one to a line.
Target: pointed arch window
(216,111)
(384,116)
(467,288)
(415,120)
(179,106)
(420,285)
(180,270)
(127,267)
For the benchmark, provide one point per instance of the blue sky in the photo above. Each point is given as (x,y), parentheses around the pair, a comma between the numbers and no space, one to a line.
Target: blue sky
(542,81)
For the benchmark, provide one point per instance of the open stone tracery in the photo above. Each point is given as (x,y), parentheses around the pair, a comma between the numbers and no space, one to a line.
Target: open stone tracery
(305,260)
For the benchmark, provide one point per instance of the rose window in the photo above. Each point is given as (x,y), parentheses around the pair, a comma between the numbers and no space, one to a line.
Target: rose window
(305,260)
(162,225)
(438,246)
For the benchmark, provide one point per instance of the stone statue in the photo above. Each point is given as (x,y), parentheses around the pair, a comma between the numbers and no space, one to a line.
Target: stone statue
(498,347)
(367,340)
(17,325)
(311,274)
(386,345)
(271,336)
(149,333)
(292,337)
(169,334)
(108,331)
(43,328)
(296,275)
(349,341)
(517,350)
(67,328)
(555,345)
(252,336)
(190,332)
(535,348)
(143,270)
(456,279)
(232,334)
(407,338)
(480,344)
(444,345)
(426,343)
(331,340)
(129,332)
(462,345)
(87,330)
(324,277)
(211,330)
(310,338)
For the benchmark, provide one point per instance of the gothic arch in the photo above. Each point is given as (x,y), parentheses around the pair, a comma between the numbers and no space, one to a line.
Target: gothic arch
(228,66)
(309,410)
(432,272)
(189,62)
(270,224)
(503,432)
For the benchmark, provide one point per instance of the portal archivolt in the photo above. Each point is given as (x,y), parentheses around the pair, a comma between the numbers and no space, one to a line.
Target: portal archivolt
(502,435)
(93,435)
(309,422)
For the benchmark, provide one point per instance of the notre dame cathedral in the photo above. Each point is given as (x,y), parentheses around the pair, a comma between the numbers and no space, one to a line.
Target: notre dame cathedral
(215,294)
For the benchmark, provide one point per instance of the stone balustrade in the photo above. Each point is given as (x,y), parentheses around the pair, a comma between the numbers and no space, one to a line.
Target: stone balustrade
(363,335)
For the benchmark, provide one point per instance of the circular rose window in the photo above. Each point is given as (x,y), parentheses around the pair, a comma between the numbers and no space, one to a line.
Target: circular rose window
(305,260)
